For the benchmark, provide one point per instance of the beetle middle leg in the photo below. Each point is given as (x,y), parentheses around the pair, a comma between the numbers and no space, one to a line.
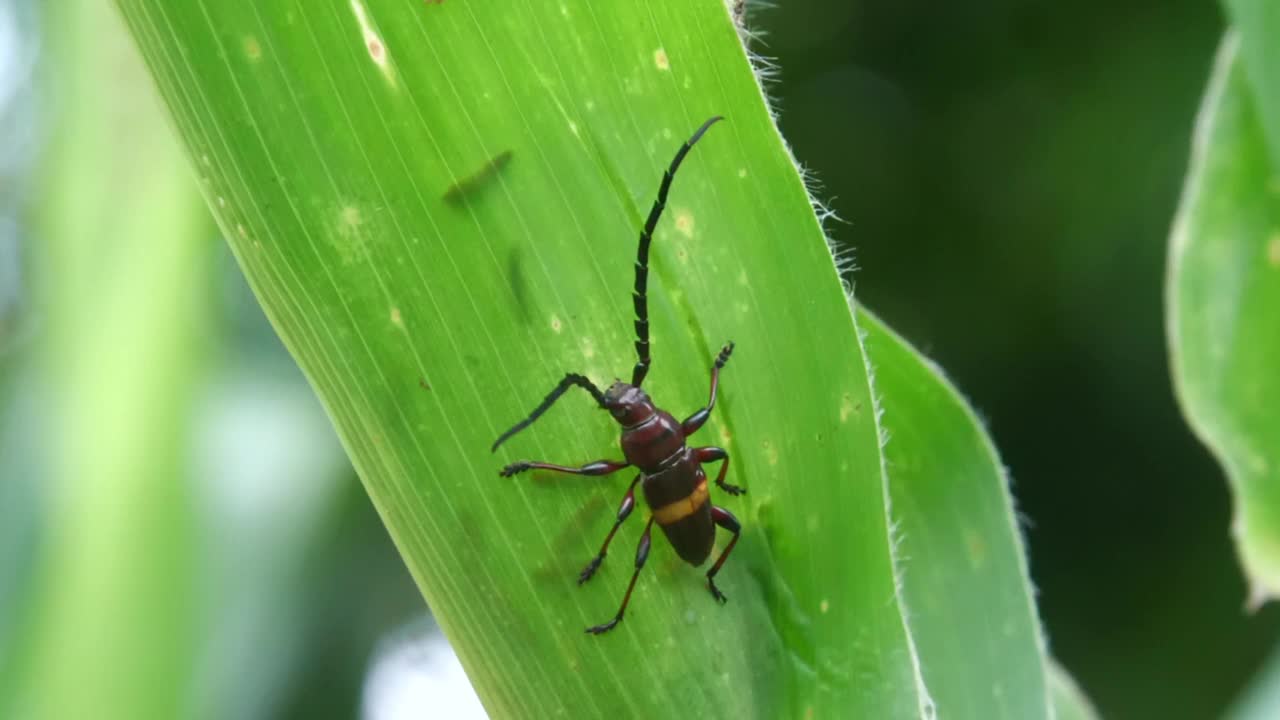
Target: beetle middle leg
(711,454)
(696,420)
(642,554)
(624,511)
(726,520)
(599,467)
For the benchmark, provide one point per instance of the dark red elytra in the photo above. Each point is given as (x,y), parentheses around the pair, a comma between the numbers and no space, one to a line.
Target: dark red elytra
(671,475)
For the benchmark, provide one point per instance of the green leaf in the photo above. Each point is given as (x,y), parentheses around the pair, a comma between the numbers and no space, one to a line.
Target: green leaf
(1069,703)
(964,577)
(438,206)
(1257,23)
(1261,697)
(1223,299)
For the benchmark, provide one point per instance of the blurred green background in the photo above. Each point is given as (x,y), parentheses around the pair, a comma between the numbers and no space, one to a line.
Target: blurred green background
(1018,162)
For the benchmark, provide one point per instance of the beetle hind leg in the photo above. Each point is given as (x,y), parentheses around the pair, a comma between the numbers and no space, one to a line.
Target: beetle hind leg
(726,520)
(642,554)
(624,511)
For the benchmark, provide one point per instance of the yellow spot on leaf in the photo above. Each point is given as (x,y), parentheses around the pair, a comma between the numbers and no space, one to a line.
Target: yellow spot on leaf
(1273,251)
(588,348)
(373,43)
(977,548)
(349,219)
(684,223)
(348,237)
(824,606)
(770,452)
(556,325)
(252,49)
(660,60)
(742,172)
(846,407)
(396,319)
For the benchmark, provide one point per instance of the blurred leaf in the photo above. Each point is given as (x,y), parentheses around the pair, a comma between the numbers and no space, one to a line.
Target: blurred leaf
(1261,698)
(1257,23)
(1223,299)
(111,633)
(1069,703)
(437,204)
(963,574)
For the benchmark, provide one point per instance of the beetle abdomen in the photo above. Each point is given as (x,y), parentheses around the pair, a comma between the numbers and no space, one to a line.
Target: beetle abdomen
(693,536)
(678,498)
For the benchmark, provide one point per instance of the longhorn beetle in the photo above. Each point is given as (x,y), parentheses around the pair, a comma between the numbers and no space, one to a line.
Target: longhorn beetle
(671,475)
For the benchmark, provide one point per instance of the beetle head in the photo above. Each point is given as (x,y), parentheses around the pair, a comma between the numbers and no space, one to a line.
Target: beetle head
(628,404)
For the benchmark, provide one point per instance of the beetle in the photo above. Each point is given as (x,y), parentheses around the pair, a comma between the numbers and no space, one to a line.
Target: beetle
(653,441)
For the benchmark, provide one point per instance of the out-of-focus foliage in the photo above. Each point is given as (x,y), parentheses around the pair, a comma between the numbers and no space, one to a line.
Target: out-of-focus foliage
(110,617)
(1261,699)
(1009,172)
(1224,293)
(1069,703)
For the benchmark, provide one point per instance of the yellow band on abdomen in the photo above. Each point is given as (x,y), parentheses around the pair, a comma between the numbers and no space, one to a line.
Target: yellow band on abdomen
(674,512)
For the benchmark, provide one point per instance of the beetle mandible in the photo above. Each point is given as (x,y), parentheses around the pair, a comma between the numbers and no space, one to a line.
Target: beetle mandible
(671,474)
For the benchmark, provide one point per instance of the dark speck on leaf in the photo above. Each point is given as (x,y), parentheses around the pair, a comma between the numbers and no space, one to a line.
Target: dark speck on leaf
(464,189)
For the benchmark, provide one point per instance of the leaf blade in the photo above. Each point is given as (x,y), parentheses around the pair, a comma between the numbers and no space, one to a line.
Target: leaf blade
(1222,292)
(353,162)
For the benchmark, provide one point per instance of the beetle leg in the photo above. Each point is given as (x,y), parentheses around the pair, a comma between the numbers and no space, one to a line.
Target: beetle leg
(624,511)
(696,420)
(599,467)
(642,554)
(711,454)
(726,520)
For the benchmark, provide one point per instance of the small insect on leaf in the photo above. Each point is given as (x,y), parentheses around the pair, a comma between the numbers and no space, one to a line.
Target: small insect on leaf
(671,475)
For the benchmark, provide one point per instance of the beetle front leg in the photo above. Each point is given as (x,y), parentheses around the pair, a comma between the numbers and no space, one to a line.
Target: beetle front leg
(711,454)
(599,467)
(726,520)
(624,511)
(642,554)
(696,420)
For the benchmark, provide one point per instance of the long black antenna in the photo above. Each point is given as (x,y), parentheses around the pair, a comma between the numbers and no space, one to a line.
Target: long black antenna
(639,295)
(569,381)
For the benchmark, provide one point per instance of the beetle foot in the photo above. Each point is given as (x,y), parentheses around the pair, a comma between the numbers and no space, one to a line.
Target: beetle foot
(513,468)
(715,592)
(604,628)
(732,489)
(590,569)
(723,357)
